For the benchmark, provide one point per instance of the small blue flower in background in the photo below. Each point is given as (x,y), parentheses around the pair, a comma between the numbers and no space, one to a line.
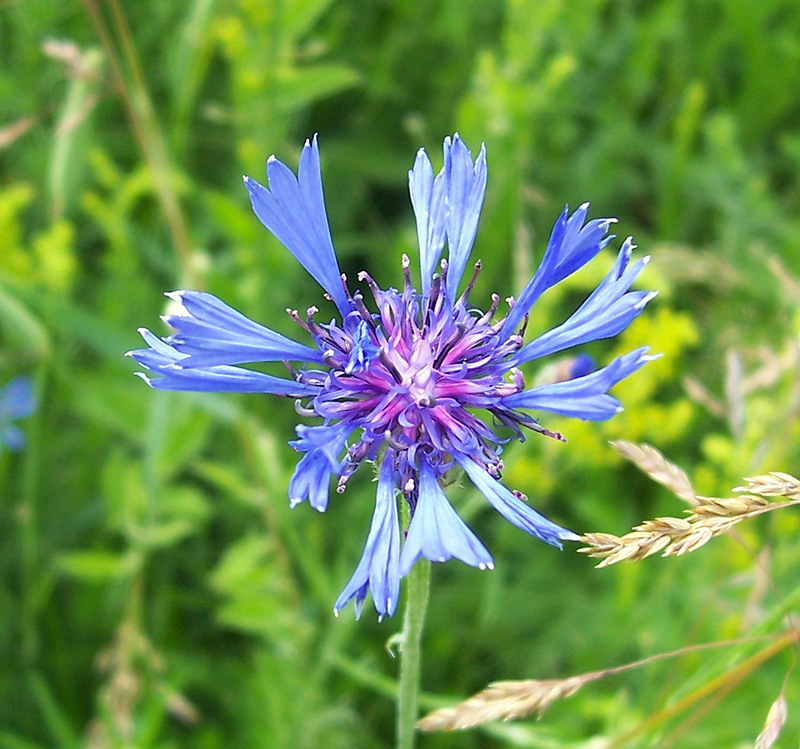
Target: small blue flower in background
(399,379)
(16,402)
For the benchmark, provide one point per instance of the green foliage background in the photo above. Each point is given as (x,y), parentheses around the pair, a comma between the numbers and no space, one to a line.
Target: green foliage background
(155,589)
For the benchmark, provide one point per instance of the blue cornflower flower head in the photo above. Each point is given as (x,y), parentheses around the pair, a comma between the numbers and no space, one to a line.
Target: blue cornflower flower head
(399,381)
(16,402)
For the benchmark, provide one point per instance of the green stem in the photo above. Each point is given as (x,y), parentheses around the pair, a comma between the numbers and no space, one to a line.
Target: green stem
(417,589)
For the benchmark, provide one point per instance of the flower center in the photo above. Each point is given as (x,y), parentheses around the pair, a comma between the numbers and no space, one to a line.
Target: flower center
(411,375)
(417,373)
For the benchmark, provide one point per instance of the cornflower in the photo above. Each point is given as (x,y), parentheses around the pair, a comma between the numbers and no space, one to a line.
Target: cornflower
(16,402)
(399,386)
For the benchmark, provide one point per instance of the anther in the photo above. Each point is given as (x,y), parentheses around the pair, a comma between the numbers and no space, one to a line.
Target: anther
(373,287)
(296,317)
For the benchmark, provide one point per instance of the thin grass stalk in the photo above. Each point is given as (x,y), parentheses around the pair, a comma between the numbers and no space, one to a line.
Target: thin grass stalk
(146,129)
(728,680)
(509,700)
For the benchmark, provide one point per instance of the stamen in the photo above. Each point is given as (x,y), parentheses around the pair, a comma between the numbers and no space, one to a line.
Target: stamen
(523,327)
(406,272)
(464,298)
(343,278)
(328,358)
(296,317)
(490,312)
(387,362)
(455,337)
(313,328)
(364,276)
(361,308)
(392,442)
(536,427)
(302,410)
(433,295)
(377,294)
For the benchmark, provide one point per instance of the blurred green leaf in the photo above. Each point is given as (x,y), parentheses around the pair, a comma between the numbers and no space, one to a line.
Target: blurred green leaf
(229,480)
(98,566)
(187,430)
(10,741)
(21,329)
(55,718)
(298,87)
(67,163)
(119,405)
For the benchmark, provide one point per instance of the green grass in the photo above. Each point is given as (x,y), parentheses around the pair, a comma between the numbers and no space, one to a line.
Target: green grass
(155,588)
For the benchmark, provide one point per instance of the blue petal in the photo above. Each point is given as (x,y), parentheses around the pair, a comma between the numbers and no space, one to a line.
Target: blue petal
(17,399)
(465,185)
(512,508)
(570,247)
(213,333)
(427,198)
(162,359)
(581,243)
(584,397)
(322,445)
(606,313)
(540,281)
(310,481)
(327,440)
(379,568)
(436,532)
(293,209)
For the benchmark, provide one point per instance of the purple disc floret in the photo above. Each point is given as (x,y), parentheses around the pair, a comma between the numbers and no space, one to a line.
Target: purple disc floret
(401,377)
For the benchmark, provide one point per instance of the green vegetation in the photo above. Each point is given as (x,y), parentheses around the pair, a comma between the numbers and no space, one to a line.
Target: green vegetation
(155,588)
